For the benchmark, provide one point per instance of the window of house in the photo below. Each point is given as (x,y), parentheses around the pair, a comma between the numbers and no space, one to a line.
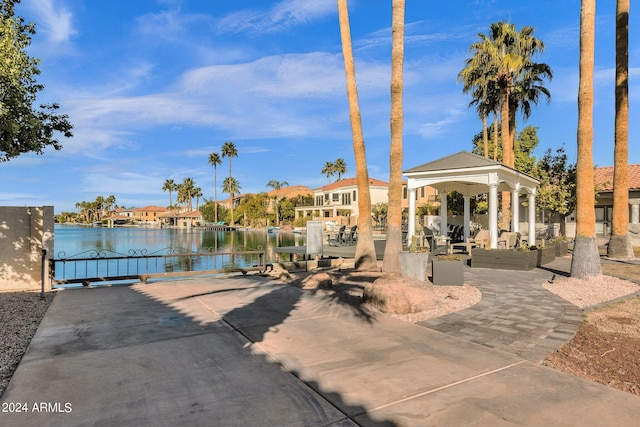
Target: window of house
(354,195)
(346,199)
(422,192)
(336,197)
(404,192)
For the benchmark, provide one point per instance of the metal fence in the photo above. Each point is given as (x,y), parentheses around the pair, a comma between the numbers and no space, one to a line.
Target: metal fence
(103,265)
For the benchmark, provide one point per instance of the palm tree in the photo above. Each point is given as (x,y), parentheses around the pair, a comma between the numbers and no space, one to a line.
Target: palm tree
(277,186)
(503,75)
(340,167)
(229,150)
(585,262)
(620,246)
(328,170)
(231,187)
(391,260)
(170,186)
(108,203)
(186,191)
(485,95)
(197,193)
(365,255)
(215,160)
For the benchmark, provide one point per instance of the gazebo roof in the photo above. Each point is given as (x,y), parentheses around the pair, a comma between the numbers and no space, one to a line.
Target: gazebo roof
(468,174)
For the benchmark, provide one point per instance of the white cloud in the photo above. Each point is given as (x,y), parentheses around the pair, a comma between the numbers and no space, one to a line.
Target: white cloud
(283,16)
(54,19)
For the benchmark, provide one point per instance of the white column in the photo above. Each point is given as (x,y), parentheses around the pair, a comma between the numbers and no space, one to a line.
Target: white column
(532,219)
(493,215)
(515,209)
(443,214)
(467,209)
(635,212)
(411,230)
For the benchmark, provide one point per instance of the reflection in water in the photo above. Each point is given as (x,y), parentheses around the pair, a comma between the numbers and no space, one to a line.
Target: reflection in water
(74,239)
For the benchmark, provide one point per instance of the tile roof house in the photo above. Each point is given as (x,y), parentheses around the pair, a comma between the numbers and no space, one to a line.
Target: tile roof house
(148,214)
(338,201)
(603,177)
(290,192)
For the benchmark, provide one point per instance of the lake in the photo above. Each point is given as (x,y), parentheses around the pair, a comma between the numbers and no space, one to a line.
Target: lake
(75,239)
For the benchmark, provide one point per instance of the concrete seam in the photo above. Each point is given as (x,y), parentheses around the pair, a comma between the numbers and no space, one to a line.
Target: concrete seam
(444,387)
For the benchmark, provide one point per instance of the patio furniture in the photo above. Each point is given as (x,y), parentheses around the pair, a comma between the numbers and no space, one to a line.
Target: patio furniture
(351,237)
(507,240)
(482,239)
(338,238)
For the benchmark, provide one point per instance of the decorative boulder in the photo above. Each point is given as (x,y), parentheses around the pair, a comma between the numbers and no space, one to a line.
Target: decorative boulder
(317,281)
(398,294)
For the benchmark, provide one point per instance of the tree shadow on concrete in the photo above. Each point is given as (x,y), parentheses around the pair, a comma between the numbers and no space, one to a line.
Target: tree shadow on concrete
(275,302)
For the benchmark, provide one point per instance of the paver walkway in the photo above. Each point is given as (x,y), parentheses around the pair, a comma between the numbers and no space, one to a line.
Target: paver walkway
(516,314)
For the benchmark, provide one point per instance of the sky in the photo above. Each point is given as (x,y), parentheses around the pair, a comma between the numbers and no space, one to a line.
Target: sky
(153,87)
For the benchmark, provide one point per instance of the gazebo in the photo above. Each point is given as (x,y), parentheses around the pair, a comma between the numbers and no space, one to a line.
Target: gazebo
(470,175)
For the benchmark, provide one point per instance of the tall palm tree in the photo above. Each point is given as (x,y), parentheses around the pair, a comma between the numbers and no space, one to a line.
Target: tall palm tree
(340,167)
(479,78)
(229,150)
(277,186)
(328,170)
(170,186)
(215,161)
(365,255)
(585,262)
(197,193)
(620,246)
(503,74)
(231,187)
(391,260)
(187,190)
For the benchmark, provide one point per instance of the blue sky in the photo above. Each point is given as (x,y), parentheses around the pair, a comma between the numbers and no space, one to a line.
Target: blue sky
(153,86)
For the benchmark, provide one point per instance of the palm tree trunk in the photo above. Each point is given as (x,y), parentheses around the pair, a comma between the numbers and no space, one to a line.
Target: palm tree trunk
(495,136)
(391,263)
(485,137)
(215,195)
(586,259)
(507,149)
(365,256)
(620,246)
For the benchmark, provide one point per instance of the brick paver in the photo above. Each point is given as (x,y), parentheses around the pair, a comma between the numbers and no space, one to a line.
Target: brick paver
(516,314)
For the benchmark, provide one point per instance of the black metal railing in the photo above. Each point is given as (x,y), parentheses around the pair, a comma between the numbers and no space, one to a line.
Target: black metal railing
(104,265)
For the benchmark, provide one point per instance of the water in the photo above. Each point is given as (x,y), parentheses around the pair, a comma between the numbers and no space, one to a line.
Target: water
(99,243)
(71,240)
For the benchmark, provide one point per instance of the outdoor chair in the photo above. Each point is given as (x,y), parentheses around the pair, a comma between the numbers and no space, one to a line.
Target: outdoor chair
(482,239)
(507,240)
(338,238)
(351,237)
(426,236)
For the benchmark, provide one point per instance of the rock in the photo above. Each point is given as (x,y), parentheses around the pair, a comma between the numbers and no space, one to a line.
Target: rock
(317,281)
(279,272)
(397,294)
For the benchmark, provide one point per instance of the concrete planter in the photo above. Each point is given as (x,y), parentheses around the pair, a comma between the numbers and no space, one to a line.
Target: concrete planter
(503,259)
(562,248)
(544,255)
(414,264)
(447,272)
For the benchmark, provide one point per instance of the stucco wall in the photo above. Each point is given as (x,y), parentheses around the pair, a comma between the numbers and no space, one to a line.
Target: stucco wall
(24,232)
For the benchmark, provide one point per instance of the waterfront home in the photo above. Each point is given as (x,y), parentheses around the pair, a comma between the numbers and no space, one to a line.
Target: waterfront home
(148,215)
(338,201)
